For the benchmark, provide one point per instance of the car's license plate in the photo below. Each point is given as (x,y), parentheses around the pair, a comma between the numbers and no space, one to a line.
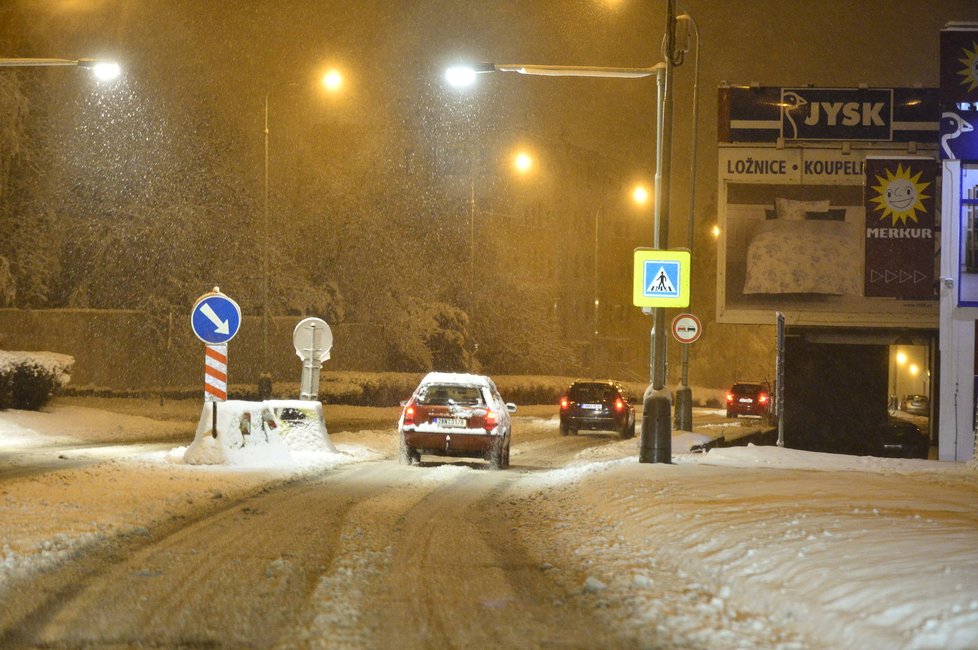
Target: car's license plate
(746,400)
(591,407)
(450,422)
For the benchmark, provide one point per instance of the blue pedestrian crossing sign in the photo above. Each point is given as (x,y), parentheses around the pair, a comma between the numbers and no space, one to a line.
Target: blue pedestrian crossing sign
(660,278)
(215,318)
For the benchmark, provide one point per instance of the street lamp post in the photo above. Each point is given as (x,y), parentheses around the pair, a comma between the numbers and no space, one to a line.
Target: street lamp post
(656,440)
(900,360)
(103,69)
(594,344)
(265,377)
(332,80)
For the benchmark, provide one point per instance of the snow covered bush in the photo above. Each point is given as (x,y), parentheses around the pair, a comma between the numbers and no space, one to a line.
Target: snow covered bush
(428,336)
(366,388)
(28,380)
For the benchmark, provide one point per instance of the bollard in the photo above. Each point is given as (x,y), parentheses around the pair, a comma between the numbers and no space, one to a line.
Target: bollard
(656,442)
(684,409)
(264,386)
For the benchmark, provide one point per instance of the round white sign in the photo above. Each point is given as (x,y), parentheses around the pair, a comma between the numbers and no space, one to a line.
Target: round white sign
(312,339)
(686,328)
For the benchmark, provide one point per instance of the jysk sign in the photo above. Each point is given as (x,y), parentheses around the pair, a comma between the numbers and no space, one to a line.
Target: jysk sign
(660,278)
(836,114)
(765,114)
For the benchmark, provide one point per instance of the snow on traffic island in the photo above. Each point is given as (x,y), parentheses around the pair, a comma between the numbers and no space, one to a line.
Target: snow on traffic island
(257,433)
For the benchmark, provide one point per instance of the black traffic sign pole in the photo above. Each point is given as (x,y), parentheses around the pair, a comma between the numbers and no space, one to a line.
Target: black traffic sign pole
(656,440)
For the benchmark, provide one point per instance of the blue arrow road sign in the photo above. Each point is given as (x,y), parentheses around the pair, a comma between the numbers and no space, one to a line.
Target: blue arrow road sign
(215,318)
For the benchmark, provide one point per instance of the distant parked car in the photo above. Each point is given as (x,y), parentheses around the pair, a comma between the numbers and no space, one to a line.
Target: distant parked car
(456,415)
(915,404)
(751,398)
(899,439)
(597,406)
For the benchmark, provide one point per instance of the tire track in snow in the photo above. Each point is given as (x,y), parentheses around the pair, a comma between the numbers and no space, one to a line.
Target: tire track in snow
(239,576)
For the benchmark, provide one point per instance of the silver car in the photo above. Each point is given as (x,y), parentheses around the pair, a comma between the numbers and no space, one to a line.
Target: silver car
(916,405)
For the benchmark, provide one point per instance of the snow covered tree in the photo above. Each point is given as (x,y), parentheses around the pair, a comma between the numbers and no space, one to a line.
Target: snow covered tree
(429,336)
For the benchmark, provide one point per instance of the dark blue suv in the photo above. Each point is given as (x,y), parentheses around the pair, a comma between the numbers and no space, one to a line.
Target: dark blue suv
(597,406)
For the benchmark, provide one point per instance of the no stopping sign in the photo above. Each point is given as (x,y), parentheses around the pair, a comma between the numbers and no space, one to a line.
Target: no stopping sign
(686,328)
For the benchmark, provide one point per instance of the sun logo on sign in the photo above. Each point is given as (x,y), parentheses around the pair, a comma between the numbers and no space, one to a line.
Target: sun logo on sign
(900,195)
(970,69)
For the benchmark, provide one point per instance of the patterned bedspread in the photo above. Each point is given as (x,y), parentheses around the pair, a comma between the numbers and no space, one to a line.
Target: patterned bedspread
(787,256)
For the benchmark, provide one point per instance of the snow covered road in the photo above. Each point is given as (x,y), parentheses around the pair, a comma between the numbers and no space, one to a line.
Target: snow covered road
(577,546)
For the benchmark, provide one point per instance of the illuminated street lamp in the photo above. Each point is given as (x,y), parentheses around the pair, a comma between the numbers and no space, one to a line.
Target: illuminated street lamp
(656,440)
(899,360)
(522,162)
(640,195)
(331,81)
(103,69)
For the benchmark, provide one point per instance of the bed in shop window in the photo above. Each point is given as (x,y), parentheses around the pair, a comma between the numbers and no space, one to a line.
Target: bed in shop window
(805,247)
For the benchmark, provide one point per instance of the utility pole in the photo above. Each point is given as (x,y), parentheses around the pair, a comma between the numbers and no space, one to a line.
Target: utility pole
(655,445)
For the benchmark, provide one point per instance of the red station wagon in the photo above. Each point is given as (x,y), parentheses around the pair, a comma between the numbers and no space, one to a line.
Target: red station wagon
(453,414)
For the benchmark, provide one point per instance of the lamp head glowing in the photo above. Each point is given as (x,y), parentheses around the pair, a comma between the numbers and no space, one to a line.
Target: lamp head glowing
(332,80)
(523,162)
(103,70)
(640,195)
(463,76)
(460,76)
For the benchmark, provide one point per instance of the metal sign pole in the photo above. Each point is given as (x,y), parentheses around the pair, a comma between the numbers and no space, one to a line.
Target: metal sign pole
(313,340)
(656,438)
(779,378)
(215,320)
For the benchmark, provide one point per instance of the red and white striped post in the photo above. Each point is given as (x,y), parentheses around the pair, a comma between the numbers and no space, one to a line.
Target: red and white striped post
(215,379)
(215,320)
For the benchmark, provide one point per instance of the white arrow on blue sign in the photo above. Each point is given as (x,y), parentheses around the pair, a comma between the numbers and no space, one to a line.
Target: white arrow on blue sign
(215,317)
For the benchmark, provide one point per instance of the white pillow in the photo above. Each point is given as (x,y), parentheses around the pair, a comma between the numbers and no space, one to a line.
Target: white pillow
(795,210)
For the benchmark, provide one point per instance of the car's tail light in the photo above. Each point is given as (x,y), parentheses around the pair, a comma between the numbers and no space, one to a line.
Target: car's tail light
(619,405)
(729,397)
(490,420)
(564,403)
(762,398)
(409,414)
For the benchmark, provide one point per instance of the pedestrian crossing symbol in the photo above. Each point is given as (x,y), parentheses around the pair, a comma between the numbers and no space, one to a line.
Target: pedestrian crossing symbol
(661,278)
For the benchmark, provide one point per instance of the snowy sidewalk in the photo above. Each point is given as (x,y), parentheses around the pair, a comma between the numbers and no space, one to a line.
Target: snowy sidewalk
(854,552)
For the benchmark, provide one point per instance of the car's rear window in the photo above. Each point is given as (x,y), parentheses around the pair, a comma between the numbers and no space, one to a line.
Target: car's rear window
(747,388)
(445,394)
(592,392)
